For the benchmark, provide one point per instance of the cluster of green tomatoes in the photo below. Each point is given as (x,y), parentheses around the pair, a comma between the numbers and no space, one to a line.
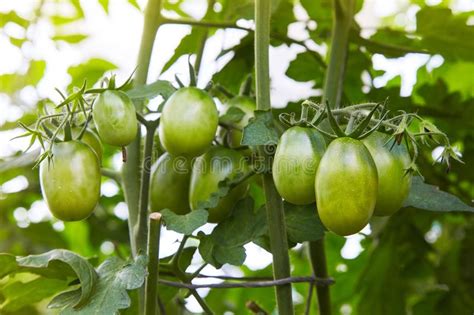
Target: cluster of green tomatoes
(350,180)
(182,179)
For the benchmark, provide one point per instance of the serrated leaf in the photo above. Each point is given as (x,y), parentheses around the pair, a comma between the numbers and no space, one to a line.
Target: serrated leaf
(242,226)
(302,223)
(428,197)
(81,267)
(185,224)
(116,276)
(225,245)
(260,130)
(152,90)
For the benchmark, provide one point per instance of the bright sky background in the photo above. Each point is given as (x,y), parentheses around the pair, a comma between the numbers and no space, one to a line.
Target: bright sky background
(116,37)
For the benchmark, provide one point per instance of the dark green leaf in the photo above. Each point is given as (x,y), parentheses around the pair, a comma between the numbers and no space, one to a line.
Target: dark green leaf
(186,223)
(232,116)
(429,197)
(302,223)
(260,130)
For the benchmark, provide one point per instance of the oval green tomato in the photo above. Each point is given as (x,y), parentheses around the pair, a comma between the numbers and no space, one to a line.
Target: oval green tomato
(188,122)
(346,186)
(92,140)
(248,106)
(208,170)
(70,182)
(115,118)
(169,186)
(391,160)
(297,157)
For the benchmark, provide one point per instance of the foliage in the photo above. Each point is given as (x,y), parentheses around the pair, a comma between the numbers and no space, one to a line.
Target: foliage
(423,257)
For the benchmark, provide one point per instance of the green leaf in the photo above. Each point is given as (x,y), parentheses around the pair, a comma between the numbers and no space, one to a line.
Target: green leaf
(70,38)
(20,294)
(110,294)
(152,90)
(225,245)
(91,70)
(302,223)
(242,226)
(7,264)
(190,44)
(185,224)
(260,130)
(105,5)
(445,33)
(81,267)
(429,197)
(304,68)
(14,82)
(232,116)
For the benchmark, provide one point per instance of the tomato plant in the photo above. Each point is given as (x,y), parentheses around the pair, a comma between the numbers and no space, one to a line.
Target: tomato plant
(211,168)
(115,118)
(295,164)
(346,186)
(70,181)
(188,122)
(392,161)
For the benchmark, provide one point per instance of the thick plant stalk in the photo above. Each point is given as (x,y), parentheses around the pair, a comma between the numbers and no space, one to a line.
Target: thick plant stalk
(343,13)
(153,250)
(131,169)
(274,205)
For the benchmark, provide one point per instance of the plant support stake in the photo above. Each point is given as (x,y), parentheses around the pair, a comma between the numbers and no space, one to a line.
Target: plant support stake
(274,204)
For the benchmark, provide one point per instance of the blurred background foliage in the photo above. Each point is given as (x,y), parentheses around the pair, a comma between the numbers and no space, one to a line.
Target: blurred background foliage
(415,262)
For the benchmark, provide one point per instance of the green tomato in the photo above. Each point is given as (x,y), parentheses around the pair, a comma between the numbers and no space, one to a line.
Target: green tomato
(70,183)
(115,118)
(248,106)
(92,140)
(169,186)
(208,170)
(188,122)
(346,186)
(297,157)
(391,160)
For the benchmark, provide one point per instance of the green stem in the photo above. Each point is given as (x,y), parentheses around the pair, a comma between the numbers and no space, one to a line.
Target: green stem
(333,90)
(317,255)
(274,204)
(342,20)
(142,228)
(131,169)
(153,250)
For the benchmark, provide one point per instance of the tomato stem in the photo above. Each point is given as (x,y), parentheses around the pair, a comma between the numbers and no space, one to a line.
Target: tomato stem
(153,250)
(274,204)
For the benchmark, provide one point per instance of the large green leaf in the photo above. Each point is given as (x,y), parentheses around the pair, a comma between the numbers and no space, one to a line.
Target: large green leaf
(110,293)
(429,197)
(260,130)
(152,90)
(185,223)
(302,223)
(91,71)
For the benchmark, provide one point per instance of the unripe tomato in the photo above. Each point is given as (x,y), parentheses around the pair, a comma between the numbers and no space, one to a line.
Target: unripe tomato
(346,186)
(115,118)
(209,169)
(169,186)
(70,183)
(391,161)
(296,161)
(93,141)
(248,106)
(188,122)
